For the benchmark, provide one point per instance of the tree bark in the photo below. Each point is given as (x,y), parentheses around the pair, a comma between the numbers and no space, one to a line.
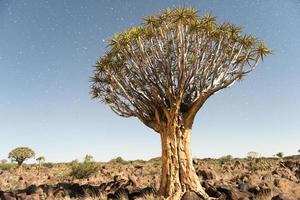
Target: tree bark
(178,174)
(19,167)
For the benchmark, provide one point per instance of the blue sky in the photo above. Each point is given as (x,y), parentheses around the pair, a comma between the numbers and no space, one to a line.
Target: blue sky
(47,49)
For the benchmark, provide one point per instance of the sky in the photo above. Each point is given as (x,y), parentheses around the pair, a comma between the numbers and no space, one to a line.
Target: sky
(47,49)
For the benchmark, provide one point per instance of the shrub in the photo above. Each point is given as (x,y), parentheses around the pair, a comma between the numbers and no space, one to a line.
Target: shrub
(119,160)
(7,166)
(85,169)
(48,165)
(226,158)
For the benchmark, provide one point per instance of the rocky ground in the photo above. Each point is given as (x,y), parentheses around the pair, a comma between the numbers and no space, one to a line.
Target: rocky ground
(226,179)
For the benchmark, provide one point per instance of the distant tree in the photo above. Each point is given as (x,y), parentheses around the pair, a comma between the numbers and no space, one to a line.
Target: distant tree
(163,71)
(298,150)
(279,155)
(252,155)
(21,154)
(88,158)
(40,160)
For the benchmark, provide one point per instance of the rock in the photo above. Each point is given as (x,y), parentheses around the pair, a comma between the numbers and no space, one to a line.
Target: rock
(245,179)
(267,177)
(206,175)
(138,167)
(243,187)
(254,190)
(264,192)
(122,193)
(285,173)
(297,173)
(195,162)
(213,192)
(7,196)
(117,178)
(191,196)
(290,164)
(31,189)
(229,192)
(111,196)
(277,182)
(283,196)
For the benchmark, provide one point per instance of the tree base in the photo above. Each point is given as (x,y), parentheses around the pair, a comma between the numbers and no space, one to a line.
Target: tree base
(187,196)
(178,176)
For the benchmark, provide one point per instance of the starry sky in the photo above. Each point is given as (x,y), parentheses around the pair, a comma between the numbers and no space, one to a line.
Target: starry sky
(47,49)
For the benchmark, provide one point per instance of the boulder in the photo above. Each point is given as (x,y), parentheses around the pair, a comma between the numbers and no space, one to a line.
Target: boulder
(254,190)
(243,187)
(191,196)
(213,192)
(7,196)
(283,196)
(292,165)
(206,175)
(230,193)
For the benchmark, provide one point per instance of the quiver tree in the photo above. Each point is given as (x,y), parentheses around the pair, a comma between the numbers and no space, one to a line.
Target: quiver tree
(279,155)
(40,161)
(163,71)
(20,154)
(252,155)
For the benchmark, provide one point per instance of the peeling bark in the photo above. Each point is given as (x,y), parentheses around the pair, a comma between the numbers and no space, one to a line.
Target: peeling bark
(178,173)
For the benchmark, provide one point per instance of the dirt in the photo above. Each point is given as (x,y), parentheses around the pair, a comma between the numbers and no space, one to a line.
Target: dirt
(236,179)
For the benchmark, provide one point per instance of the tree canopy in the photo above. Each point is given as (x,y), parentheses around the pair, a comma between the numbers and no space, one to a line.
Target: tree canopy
(172,62)
(20,154)
(40,158)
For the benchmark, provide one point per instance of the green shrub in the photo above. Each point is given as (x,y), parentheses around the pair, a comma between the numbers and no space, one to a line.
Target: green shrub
(119,160)
(226,158)
(84,169)
(48,165)
(7,166)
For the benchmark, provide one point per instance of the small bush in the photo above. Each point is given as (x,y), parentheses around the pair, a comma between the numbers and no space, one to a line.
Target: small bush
(48,165)
(7,166)
(119,160)
(226,158)
(84,169)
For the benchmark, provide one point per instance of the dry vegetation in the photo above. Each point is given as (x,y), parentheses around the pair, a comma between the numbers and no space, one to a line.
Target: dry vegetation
(224,178)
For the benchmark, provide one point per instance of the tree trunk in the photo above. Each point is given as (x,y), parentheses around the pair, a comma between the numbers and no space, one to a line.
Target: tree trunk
(39,167)
(20,168)
(178,174)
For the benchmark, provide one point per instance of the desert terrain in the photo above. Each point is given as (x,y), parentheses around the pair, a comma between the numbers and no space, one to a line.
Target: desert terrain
(225,178)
